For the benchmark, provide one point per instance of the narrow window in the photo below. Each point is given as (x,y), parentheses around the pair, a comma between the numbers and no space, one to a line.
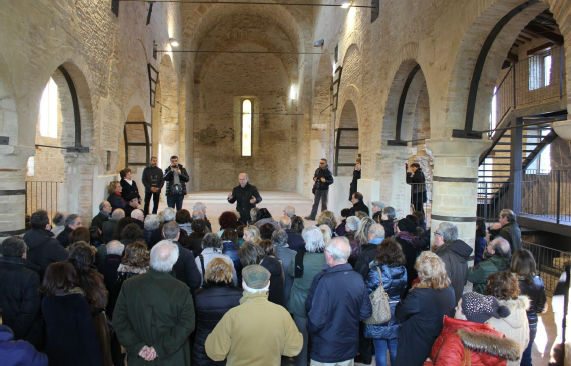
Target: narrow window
(49,110)
(547,70)
(246,127)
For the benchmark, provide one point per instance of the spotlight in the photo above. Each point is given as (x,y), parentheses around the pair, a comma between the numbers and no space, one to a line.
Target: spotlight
(318,43)
(173,42)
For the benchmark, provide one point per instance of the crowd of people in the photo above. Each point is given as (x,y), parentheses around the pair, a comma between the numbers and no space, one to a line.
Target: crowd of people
(143,287)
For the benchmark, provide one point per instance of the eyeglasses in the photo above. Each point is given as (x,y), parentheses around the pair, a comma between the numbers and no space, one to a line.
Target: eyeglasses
(437,233)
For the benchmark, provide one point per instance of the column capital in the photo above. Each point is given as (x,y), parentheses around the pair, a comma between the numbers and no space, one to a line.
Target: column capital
(563,129)
(457,147)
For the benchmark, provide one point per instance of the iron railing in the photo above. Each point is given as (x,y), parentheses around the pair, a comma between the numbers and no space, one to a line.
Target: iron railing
(42,195)
(547,195)
(420,191)
(550,263)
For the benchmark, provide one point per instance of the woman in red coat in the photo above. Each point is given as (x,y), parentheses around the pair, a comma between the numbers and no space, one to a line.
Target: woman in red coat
(466,340)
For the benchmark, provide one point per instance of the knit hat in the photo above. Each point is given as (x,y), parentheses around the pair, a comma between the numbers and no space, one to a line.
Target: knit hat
(378,204)
(479,308)
(255,276)
(407,225)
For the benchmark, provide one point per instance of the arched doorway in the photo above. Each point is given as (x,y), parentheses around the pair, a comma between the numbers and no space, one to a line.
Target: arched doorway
(346,140)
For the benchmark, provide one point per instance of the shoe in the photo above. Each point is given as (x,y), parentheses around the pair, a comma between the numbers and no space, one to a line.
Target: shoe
(309,218)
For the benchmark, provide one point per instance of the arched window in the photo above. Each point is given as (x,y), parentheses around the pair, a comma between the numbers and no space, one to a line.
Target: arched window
(49,110)
(246,127)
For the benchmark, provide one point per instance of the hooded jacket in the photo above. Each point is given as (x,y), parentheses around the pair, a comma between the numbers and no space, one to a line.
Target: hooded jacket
(478,274)
(486,346)
(514,326)
(43,249)
(19,352)
(456,256)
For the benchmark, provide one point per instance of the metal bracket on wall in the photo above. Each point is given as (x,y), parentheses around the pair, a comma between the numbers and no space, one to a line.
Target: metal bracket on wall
(115,7)
(153,79)
(149,13)
(335,87)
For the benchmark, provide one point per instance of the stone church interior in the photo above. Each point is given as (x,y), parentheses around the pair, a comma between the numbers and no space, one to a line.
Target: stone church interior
(471,94)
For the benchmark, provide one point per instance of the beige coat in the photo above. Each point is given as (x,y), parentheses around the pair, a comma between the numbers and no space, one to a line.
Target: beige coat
(515,326)
(257,332)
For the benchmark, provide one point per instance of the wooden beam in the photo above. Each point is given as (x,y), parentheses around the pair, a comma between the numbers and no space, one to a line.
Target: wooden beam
(539,48)
(543,32)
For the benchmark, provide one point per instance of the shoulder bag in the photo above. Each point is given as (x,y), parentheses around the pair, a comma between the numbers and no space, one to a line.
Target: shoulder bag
(380,304)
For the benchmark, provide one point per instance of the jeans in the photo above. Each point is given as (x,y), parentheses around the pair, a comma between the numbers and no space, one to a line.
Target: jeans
(526,357)
(381,346)
(155,196)
(175,200)
(301,322)
(319,194)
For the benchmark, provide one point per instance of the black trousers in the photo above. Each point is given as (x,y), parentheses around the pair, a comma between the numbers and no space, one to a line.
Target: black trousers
(319,195)
(156,196)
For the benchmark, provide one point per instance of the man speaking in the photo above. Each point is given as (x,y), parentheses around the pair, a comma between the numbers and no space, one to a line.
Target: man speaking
(247,196)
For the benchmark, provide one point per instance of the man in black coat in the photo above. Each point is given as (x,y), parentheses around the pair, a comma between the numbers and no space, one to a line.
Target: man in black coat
(176,178)
(20,299)
(185,268)
(44,249)
(247,196)
(103,215)
(153,182)
(322,179)
(358,205)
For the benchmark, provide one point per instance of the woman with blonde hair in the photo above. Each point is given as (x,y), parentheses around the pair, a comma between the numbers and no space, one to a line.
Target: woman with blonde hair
(423,309)
(327,218)
(252,234)
(326,231)
(362,234)
(211,303)
(114,190)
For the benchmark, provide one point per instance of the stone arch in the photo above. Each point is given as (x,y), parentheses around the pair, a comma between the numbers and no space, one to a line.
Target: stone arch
(467,58)
(347,141)
(167,128)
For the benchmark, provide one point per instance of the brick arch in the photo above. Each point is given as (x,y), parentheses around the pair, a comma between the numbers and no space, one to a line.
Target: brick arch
(469,58)
(348,118)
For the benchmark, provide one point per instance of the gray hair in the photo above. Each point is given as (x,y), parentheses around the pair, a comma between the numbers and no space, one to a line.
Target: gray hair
(390,212)
(279,238)
(171,230)
(197,215)
(152,222)
(70,219)
(289,211)
(137,214)
(313,239)
(501,247)
(169,214)
(117,214)
(211,240)
(103,204)
(352,222)
(14,246)
(285,222)
(376,231)
(448,231)
(199,206)
(164,255)
(339,248)
(115,247)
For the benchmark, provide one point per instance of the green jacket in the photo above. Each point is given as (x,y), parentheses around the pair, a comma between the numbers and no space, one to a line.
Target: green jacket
(155,309)
(313,263)
(479,274)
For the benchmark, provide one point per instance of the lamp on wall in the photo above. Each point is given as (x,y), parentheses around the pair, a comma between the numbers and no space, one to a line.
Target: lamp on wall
(173,42)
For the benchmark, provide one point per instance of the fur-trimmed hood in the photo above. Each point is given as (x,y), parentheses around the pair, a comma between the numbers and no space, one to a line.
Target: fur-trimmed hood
(505,348)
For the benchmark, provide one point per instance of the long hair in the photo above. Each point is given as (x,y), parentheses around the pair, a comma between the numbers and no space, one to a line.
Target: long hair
(431,271)
(81,256)
(523,265)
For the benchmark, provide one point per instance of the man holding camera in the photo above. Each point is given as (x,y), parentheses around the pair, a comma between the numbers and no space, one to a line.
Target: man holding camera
(176,178)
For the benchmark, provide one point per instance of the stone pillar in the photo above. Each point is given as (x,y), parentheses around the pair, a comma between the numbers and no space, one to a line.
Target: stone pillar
(13,162)
(390,172)
(338,197)
(370,189)
(455,186)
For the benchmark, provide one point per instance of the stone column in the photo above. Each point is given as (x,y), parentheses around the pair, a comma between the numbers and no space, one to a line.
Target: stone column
(455,186)
(13,162)
(390,172)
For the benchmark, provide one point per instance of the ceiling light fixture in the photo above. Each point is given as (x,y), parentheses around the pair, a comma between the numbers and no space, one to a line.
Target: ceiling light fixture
(173,42)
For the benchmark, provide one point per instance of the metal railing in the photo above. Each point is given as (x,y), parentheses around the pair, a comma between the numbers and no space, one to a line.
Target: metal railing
(42,195)
(547,194)
(492,198)
(531,81)
(550,263)
(421,194)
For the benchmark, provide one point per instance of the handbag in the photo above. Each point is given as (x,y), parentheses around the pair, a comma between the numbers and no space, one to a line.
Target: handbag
(380,304)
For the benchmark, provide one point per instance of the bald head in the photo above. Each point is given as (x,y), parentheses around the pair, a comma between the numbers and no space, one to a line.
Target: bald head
(285,223)
(243,179)
(337,251)
(499,246)
(163,256)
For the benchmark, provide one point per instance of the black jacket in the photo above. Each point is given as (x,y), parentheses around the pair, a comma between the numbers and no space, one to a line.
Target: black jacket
(418,184)
(20,299)
(456,256)
(185,269)
(152,177)
(211,303)
(535,290)
(242,196)
(116,201)
(359,206)
(129,190)
(63,237)
(169,178)
(98,220)
(43,249)
(353,185)
(368,253)
(318,185)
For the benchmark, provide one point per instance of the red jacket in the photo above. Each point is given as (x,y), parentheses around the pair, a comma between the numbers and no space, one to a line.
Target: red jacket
(486,345)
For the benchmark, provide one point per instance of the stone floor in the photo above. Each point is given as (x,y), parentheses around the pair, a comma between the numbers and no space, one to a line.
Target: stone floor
(216,203)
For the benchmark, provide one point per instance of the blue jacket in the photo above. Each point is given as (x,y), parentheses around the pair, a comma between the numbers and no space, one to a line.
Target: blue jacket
(336,303)
(394,283)
(13,353)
